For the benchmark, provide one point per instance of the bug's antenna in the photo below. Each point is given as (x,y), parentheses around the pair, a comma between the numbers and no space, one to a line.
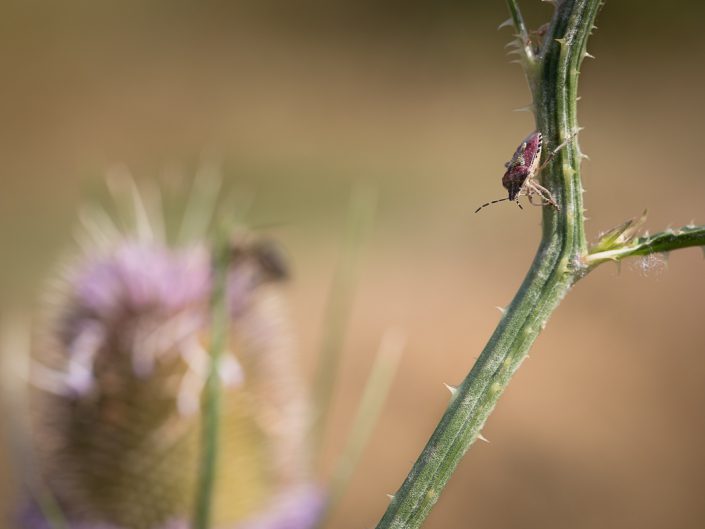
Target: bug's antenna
(490,203)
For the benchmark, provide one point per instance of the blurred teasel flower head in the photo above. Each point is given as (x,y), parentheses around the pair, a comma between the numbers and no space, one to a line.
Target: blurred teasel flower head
(119,366)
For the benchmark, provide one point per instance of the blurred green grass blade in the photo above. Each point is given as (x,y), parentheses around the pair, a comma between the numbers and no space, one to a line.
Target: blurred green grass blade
(363,202)
(373,398)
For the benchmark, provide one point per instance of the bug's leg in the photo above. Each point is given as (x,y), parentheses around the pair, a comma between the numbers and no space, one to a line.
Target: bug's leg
(555,151)
(549,198)
(534,187)
(532,191)
(545,194)
(531,196)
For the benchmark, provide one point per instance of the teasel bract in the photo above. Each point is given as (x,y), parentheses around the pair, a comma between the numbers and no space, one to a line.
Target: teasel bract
(118,368)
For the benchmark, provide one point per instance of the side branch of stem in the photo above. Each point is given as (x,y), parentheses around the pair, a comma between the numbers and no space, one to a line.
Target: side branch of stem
(662,242)
(520,26)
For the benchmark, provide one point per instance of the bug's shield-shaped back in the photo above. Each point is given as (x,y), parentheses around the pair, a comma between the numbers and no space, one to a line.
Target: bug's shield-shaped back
(523,164)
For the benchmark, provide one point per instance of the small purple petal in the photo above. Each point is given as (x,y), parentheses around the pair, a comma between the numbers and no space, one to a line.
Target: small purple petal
(137,277)
(299,508)
(294,509)
(33,518)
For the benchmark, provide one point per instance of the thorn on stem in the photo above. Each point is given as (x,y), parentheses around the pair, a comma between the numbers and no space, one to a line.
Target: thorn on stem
(527,108)
(453,389)
(506,23)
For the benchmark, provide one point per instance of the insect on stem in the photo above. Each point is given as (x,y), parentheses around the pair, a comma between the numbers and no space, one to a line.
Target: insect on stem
(521,177)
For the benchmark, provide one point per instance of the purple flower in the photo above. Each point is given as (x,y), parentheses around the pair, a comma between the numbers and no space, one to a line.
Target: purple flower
(120,371)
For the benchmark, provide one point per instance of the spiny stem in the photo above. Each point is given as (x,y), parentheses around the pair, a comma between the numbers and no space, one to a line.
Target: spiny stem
(666,241)
(556,267)
(561,260)
(212,390)
(520,26)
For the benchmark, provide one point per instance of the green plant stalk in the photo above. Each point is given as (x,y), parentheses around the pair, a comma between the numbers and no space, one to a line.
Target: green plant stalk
(212,390)
(561,260)
(665,241)
(517,20)
(556,267)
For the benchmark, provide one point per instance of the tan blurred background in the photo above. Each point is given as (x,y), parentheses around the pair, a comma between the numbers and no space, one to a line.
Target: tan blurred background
(604,425)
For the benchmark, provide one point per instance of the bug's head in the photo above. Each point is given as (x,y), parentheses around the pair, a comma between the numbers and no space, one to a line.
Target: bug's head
(513,179)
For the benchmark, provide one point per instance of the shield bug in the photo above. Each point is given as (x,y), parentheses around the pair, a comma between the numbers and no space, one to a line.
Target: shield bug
(520,179)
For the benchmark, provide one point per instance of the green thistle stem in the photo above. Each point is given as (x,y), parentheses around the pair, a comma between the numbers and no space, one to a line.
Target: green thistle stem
(523,34)
(561,260)
(556,267)
(666,241)
(212,390)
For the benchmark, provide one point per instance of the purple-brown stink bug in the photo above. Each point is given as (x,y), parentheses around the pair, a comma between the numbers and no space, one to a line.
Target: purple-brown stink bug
(520,179)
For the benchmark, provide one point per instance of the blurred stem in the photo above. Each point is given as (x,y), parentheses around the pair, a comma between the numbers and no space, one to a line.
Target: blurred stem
(363,202)
(212,390)
(373,397)
(557,266)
